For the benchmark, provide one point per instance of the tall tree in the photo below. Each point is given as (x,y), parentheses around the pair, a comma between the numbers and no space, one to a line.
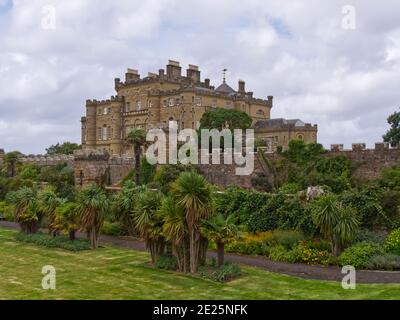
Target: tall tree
(176,232)
(393,134)
(67,219)
(148,223)
(11,161)
(93,205)
(48,203)
(64,148)
(192,193)
(137,137)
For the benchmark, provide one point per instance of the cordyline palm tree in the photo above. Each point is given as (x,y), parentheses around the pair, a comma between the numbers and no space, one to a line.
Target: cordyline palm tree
(93,205)
(137,137)
(67,219)
(11,160)
(337,222)
(123,205)
(192,193)
(148,223)
(176,232)
(222,230)
(48,203)
(26,209)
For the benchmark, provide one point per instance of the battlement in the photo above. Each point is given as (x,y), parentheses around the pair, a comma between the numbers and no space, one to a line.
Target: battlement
(379,146)
(104,102)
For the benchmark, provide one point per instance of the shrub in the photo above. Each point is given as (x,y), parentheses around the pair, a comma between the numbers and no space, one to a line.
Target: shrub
(227,272)
(387,261)
(392,243)
(286,238)
(7,211)
(61,242)
(359,254)
(112,229)
(280,253)
(166,262)
(370,237)
(239,202)
(250,244)
(307,252)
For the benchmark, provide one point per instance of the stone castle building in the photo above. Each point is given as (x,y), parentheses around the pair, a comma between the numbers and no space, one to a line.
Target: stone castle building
(153,101)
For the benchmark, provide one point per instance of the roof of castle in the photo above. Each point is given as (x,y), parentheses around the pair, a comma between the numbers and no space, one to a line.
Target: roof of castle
(224,88)
(278,123)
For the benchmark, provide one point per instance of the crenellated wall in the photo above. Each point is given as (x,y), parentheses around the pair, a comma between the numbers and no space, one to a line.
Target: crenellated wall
(92,166)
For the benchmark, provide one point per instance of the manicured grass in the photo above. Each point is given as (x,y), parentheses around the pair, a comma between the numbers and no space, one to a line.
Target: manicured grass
(116,273)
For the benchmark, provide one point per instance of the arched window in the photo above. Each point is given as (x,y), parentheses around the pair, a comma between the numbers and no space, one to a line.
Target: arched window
(300,137)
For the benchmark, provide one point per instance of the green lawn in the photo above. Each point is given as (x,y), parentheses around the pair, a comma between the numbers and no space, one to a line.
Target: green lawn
(115,273)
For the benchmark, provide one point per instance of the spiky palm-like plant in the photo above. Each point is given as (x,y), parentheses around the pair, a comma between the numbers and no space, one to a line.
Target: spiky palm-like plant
(67,219)
(93,205)
(48,203)
(337,222)
(192,193)
(222,230)
(26,209)
(176,232)
(137,137)
(148,223)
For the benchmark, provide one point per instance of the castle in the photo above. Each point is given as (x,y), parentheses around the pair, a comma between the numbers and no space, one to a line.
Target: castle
(158,98)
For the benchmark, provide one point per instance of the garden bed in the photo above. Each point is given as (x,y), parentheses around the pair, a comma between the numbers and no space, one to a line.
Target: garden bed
(46,240)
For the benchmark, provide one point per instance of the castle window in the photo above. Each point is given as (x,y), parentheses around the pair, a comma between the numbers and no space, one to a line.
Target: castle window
(171,102)
(99,111)
(300,137)
(105,110)
(198,101)
(260,112)
(109,133)
(109,110)
(214,103)
(104,133)
(128,107)
(138,105)
(99,133)
(165,103)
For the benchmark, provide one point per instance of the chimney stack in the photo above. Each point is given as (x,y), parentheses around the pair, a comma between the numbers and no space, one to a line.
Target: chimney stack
(242,86)
(161,73)
(132,75)
(193,73)
(207,83)
(173,69)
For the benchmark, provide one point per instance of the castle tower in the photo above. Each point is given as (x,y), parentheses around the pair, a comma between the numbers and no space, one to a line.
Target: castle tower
(90,125)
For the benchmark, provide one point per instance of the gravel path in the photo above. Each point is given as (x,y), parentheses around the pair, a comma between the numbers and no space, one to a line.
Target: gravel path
(292,269)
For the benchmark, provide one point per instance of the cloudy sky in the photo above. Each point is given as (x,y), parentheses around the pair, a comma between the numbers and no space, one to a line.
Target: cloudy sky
(56,54)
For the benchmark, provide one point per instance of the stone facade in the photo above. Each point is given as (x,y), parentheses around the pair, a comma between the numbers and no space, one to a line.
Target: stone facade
(153,101)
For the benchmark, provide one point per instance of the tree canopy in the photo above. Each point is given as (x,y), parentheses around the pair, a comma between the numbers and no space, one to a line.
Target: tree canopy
(221,118)
(393,134)
(64,148)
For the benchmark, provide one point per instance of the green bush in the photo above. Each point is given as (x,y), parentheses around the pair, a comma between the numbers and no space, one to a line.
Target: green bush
(359,255)
(387,261)
(286,238)
(282,211)
(248,248)
(392,243)
(312,253)
(166,262)
(280,253)
(61,242)
(227,272)
(112,229)
(239,202)
(7,211)
(363,235)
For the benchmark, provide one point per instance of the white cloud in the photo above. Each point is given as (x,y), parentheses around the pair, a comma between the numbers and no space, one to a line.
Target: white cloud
(346,81)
